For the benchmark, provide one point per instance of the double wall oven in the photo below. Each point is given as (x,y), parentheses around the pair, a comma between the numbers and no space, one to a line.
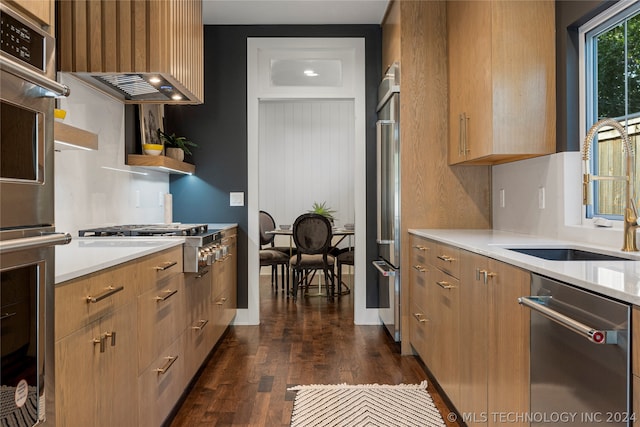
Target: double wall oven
(27,228)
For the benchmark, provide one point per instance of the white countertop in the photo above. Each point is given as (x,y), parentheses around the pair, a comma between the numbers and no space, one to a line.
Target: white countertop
(86,255)
(616,279)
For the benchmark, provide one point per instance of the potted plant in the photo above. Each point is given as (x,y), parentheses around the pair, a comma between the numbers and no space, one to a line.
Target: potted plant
(176,145)
(324,210)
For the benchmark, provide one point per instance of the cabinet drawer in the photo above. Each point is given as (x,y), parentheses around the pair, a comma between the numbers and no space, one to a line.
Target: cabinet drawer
(161,319)
(419,283)
(447,259)
(199,339)
(159,267)
(421,250)
(161,385)
(82,301)
(418,330)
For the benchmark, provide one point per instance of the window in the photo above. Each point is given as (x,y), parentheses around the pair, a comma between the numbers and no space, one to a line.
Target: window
(612,83)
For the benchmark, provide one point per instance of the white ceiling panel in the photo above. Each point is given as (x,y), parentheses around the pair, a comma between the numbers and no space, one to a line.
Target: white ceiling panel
(293,12)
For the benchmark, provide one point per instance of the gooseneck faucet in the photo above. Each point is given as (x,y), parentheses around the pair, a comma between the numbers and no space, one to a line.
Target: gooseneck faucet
(630,209)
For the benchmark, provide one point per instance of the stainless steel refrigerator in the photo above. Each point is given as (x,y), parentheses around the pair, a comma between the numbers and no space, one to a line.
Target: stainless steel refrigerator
(388,200)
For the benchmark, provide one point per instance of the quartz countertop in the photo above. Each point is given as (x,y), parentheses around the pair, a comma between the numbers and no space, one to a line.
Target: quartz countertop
(86,255)
(616,279)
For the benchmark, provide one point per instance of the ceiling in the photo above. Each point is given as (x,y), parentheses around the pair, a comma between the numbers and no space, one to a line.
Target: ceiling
(290,12)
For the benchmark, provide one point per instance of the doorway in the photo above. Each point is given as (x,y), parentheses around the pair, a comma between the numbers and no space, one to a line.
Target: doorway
(264,55)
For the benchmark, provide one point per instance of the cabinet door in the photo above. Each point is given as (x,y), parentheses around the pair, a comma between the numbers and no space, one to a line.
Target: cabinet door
(39,9)
(474,324)
(445,324)
(199,334)
(94,387)
(508,366)
(419,296)
(470,91)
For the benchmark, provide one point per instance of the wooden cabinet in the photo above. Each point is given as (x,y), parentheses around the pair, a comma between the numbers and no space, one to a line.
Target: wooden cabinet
(501,80)
(469,329)
(129,339)
(95,344)
(160,304)
(434,323)
(494,367)
(146,39)
(42,11)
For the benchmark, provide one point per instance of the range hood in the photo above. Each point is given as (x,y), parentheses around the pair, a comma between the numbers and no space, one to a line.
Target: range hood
(140,51)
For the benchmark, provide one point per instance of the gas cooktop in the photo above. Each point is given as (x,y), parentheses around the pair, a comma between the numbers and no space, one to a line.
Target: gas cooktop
(176,229)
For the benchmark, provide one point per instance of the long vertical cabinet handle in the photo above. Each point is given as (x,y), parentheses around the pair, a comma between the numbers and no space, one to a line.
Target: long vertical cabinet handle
(466,135)
(461,121)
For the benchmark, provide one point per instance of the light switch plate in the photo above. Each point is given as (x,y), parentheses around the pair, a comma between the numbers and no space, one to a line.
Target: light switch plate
(236,198)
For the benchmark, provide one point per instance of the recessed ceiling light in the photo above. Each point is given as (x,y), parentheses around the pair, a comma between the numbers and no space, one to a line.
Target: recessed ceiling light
(176,97)
(310,73)
(155,80)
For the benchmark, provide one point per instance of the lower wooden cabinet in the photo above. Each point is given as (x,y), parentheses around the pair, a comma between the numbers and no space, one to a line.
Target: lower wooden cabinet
(470,330)
(127,357)
(95,371)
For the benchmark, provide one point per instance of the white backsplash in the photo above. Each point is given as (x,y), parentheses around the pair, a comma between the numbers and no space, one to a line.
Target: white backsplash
(87,194)
(559,177)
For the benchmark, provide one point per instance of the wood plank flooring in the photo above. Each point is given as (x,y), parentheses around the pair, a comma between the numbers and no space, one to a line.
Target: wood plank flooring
(313,341)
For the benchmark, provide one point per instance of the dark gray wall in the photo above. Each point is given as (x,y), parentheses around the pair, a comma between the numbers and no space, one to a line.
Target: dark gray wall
(569,16)
(219,127)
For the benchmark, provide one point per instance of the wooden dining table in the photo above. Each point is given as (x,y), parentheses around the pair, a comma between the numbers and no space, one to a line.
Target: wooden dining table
(340,232)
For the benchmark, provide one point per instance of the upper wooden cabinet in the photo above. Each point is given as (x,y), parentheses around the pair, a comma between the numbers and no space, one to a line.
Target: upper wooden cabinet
(502,86)
(41,11)
(138,51)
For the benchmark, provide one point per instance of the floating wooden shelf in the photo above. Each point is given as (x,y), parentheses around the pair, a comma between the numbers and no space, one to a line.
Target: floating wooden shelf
(68,137)
(160,164)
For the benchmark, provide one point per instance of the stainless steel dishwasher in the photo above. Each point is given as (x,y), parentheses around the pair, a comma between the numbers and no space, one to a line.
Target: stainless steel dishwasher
(580,363)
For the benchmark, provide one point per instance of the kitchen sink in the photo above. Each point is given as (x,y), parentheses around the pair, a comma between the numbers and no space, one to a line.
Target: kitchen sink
(567,254)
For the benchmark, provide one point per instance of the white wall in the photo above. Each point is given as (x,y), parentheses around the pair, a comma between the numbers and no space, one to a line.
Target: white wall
(560,177)
(88,195)
(306,156)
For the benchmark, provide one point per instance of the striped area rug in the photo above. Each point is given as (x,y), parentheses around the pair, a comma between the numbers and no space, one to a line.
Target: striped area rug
(368,405)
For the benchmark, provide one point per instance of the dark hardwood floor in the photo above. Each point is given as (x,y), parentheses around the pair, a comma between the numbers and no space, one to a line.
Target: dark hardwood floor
(313,341)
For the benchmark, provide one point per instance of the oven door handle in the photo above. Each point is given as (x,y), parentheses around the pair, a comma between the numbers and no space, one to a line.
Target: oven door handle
(596,336)
(56,89)
(384,268)
(44,240)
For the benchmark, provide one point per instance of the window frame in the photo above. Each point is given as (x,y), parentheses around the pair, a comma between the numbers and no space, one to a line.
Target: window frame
(603,22)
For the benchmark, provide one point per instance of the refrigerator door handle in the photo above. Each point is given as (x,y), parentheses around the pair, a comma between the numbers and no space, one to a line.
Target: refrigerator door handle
(379,141)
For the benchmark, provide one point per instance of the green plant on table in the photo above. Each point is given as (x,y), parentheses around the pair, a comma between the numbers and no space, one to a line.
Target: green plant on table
(176,141)
(323,209)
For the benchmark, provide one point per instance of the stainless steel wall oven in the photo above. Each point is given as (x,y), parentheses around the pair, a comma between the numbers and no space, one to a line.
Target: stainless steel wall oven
(27,228)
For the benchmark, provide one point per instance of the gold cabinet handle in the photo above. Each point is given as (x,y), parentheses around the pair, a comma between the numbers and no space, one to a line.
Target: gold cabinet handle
(201,324)
(170,360)
(420,268)
(446,258)
(106,294)
(221,301)
(165,265)
(111,335)
(445,285)
(461,121)
(167,294)
(419,317)
(420,248)
(102,341)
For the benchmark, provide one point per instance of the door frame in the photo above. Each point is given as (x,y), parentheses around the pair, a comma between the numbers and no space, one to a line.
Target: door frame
(259,51)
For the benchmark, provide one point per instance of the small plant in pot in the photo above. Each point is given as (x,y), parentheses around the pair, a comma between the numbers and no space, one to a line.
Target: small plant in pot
(177,146)
(324,210)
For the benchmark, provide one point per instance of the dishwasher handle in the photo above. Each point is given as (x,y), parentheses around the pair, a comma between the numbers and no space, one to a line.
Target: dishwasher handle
(596,336)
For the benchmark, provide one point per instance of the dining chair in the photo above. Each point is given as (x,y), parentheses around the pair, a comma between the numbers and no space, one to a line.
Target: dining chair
(271,255)
(312,236)
(343,256)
